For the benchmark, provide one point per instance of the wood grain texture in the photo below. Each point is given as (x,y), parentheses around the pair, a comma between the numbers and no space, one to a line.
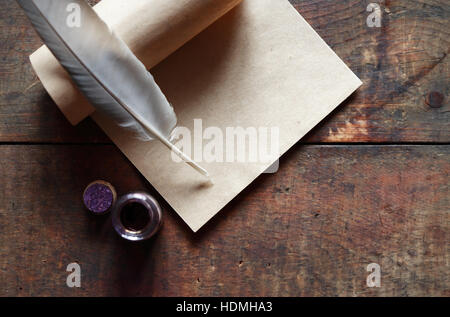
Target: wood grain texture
(310,229)
(400,63)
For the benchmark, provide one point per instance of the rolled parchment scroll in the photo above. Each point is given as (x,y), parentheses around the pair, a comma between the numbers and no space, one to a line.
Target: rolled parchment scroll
(153,29)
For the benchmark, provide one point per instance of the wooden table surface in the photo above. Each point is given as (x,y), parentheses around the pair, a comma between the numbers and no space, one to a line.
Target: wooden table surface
(370,184)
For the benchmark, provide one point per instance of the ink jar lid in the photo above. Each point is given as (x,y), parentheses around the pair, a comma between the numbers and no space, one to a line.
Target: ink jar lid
(99,197)
(137,216)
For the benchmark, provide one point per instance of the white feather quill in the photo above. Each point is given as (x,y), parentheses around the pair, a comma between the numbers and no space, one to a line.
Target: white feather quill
(105,70)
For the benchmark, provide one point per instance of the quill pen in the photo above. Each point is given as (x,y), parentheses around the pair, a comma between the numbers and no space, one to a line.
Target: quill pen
(105,70)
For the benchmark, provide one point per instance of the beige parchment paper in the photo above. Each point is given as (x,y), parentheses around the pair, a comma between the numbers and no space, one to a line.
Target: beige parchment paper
(259,64)
(153,29)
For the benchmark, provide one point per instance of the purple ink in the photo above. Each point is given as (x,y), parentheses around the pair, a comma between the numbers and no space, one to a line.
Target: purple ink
(99,197)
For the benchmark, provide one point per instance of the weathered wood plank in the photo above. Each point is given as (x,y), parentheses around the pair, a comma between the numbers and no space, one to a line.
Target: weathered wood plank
(310,229)
(401,63)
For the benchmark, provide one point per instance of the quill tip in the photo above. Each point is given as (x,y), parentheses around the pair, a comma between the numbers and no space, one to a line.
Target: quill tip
(206,184)
(209,181)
